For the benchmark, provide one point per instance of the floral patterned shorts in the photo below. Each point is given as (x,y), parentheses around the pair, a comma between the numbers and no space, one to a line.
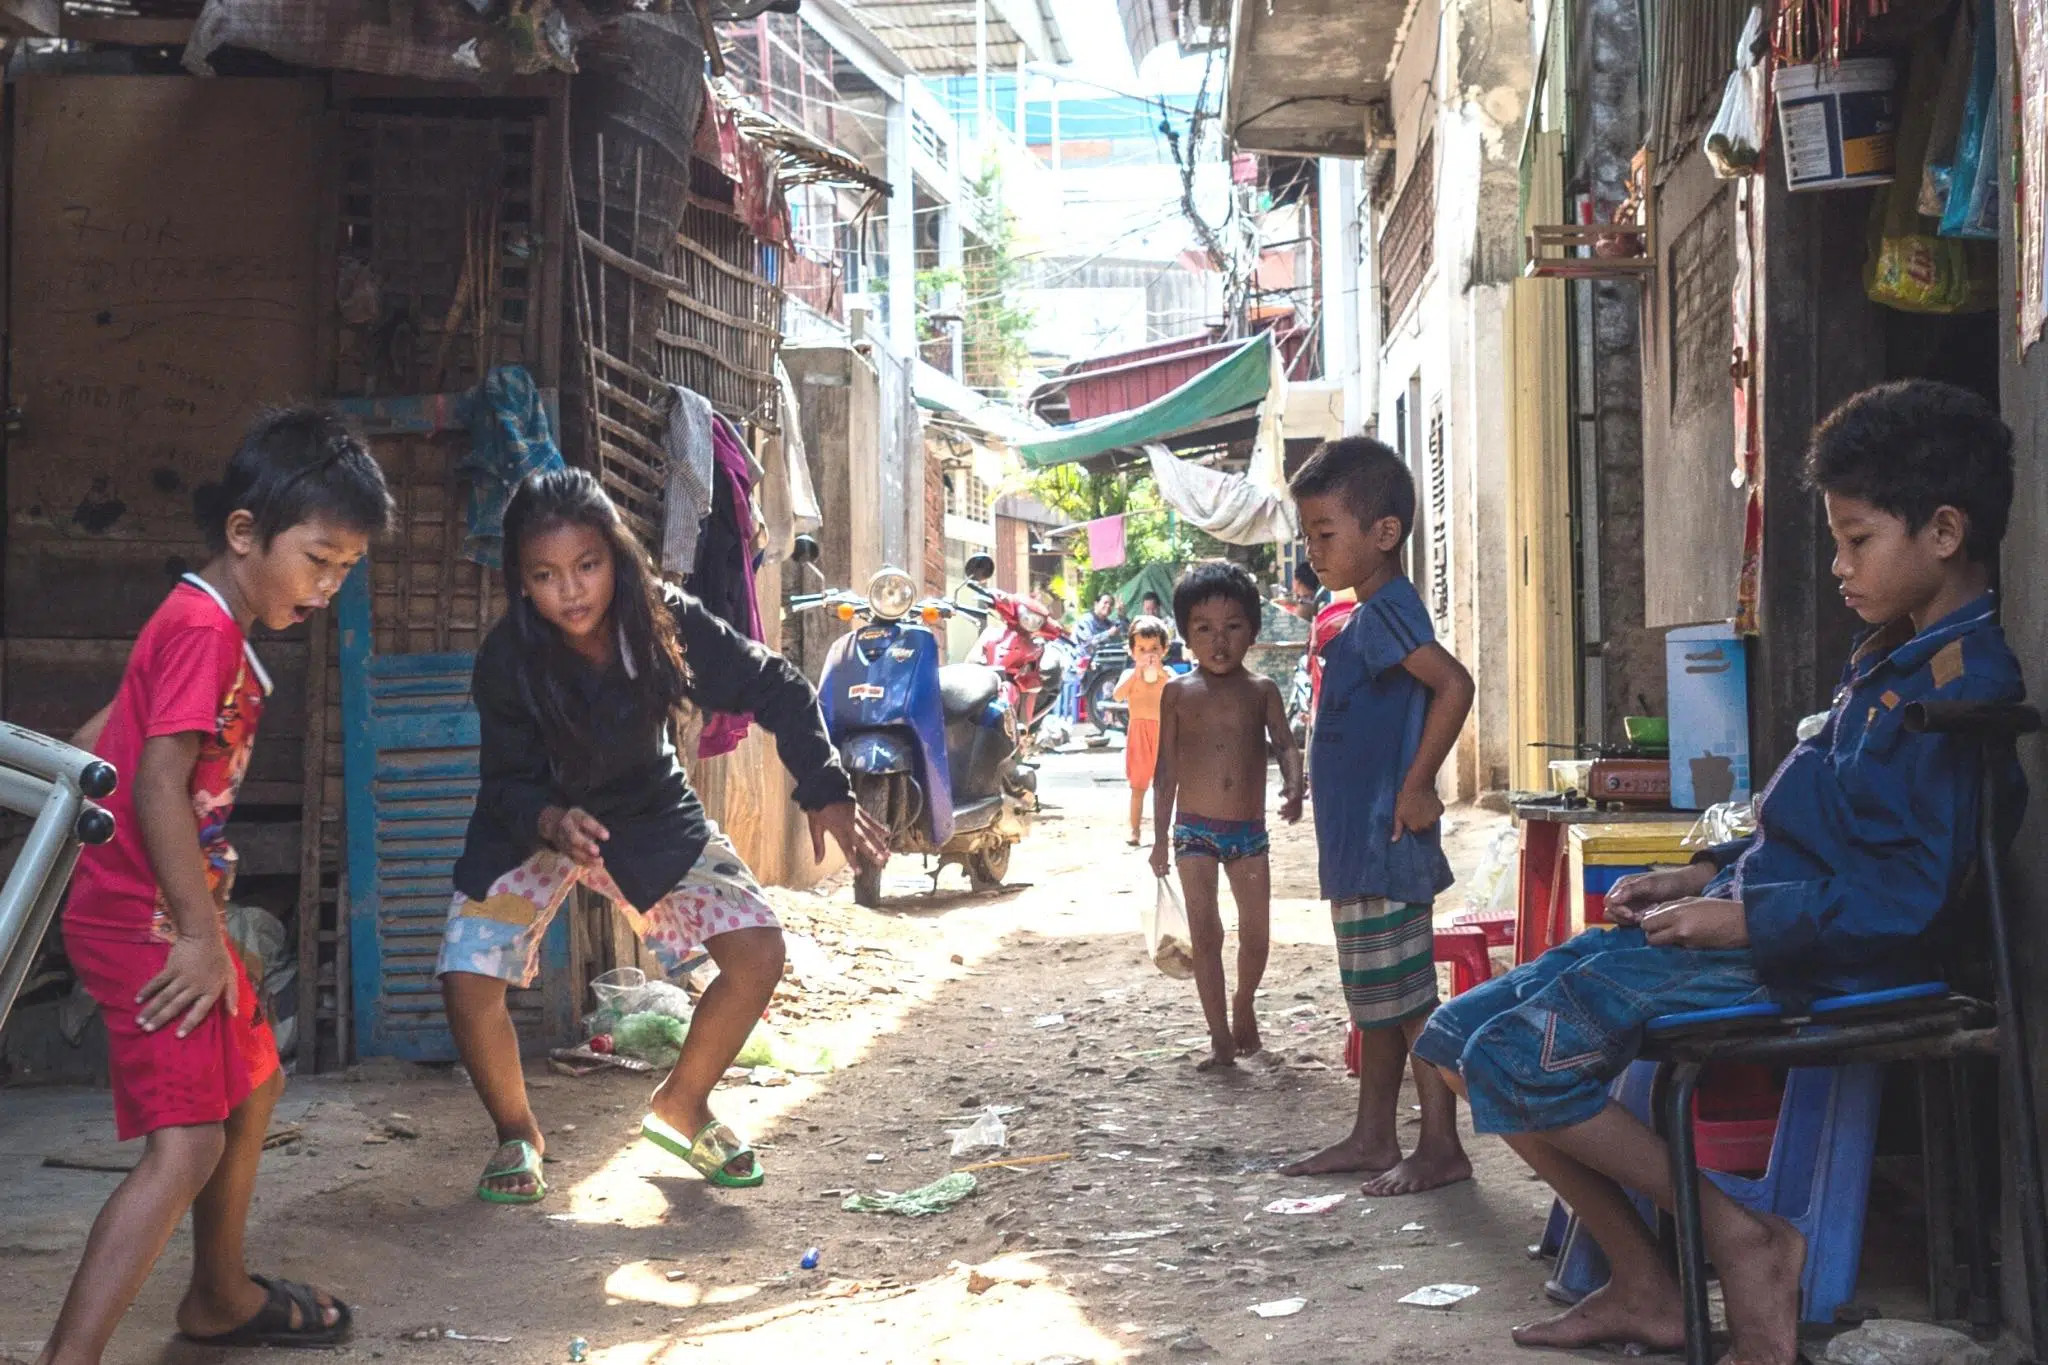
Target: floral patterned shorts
(499,936)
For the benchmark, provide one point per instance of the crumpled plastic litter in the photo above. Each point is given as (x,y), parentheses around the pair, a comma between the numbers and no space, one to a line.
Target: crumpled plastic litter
(1280,1308)
(653,1038)
(1321,1203)
(937,1197)
(627,990)
(1440,1295)
(986,1131)
(657,1038)
(1722,824)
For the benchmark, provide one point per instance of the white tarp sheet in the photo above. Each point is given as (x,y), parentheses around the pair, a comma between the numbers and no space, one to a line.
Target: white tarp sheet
(1229,507)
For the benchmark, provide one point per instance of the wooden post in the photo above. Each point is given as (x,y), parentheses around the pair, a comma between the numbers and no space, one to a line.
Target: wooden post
(313,805)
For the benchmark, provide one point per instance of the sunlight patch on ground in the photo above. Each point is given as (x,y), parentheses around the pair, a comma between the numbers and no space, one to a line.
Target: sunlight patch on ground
(621,1191)
(938,1321)
(645,1282)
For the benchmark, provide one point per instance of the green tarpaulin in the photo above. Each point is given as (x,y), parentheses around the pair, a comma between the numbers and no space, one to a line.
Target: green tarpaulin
(1237,382)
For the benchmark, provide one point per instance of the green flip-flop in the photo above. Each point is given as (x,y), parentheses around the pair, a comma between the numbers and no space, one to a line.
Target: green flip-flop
(713,1149)
(528,1164)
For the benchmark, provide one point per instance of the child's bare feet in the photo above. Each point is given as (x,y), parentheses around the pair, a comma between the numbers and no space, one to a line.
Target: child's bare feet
(1760,1285)
(1349,1157)
(1432,1165)
(1222,1056)
(1614,1315)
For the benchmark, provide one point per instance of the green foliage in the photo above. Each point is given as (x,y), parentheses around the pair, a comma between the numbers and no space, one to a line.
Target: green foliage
(931,297)
(993,334)
(1152,534)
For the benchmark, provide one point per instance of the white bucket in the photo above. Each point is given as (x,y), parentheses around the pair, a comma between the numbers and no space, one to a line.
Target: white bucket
(1840,123)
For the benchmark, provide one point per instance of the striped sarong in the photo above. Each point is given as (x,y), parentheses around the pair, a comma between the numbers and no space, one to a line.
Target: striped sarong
(1387,957)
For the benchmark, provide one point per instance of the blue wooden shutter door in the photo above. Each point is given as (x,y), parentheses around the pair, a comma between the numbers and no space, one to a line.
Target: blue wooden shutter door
(410,764)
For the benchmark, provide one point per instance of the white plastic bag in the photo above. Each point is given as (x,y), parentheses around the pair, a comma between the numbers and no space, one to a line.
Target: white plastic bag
(1735,140)
(1167,937)
(626,990)
(988,1130)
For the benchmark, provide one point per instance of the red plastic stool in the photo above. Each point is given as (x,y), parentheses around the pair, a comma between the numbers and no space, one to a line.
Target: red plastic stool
(1735,1117)
(1499,926)
(1464,947)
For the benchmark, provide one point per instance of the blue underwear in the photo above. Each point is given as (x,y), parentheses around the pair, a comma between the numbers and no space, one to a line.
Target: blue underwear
(1227,841)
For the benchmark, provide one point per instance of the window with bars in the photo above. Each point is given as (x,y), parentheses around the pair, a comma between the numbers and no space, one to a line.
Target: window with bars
(1439,521)
(968,496)
(1408,245)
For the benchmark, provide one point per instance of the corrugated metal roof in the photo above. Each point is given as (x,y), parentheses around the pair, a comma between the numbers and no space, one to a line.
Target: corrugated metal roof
(937,36)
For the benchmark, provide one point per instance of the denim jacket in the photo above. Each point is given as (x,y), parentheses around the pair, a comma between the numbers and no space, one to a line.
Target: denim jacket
(1867,830)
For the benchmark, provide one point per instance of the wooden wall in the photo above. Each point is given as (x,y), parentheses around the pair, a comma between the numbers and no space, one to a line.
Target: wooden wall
(163,260)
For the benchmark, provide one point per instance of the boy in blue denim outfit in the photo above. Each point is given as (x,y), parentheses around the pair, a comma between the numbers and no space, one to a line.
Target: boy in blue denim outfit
(1393,701)
(1863,838)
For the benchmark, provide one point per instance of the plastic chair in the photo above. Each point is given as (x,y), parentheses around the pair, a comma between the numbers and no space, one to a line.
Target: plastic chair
(1815,1175)
(1464,947)
(50,781)
(1925,1024)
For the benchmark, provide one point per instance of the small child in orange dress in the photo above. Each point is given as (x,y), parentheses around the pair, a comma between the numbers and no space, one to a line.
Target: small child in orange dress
(1139,689)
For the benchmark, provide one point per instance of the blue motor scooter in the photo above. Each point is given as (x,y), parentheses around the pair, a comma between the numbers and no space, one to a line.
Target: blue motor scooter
(932,748)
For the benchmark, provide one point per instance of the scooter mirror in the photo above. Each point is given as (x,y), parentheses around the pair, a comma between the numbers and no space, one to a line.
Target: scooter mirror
(804,550)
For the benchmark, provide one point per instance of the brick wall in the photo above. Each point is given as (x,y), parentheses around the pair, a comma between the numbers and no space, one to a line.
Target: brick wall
(934,525)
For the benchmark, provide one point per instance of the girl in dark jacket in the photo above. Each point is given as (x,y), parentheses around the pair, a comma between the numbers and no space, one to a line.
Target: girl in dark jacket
(579,690)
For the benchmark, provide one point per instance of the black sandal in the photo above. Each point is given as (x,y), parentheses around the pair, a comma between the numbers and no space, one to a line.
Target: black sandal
(272,1325)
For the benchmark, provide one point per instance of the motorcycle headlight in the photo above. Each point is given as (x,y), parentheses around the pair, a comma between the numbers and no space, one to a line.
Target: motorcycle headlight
(891,594)
(1030,620)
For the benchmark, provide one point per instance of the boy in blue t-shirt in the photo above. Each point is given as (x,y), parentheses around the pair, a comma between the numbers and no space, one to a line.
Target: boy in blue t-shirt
(1393,701)
(1863,839)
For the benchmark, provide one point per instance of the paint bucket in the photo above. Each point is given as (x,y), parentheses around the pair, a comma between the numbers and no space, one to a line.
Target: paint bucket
(1839,123)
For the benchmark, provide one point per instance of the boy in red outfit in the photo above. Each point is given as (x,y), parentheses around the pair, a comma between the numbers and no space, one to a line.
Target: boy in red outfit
(193,1062)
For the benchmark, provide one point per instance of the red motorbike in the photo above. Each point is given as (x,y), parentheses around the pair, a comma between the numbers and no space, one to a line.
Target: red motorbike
(1014,645)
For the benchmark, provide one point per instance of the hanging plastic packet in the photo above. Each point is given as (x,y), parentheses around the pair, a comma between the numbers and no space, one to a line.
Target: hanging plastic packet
(1735,140)
(1167,936)
(1972,209)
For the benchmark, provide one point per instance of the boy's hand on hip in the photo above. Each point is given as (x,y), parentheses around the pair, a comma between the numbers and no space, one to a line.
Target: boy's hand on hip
(1415,810)
(1697,923)
(575,833)
(864,839)
(196,976)
(1636,895)
(1160,860)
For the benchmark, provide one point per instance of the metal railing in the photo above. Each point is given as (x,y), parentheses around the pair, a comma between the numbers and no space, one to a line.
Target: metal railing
(54,785)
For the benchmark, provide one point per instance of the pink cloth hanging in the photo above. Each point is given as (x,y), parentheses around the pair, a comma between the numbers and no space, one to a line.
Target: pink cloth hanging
(722,733)
(1106,542)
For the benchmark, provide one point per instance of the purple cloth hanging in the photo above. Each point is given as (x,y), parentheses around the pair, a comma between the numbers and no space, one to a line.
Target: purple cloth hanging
(724,580)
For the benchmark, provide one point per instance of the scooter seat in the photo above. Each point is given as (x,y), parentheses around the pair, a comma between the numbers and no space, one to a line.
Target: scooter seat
(966,689)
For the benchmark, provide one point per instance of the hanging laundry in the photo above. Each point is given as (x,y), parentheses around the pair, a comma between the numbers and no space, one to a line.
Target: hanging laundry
(723,579)
(1106,542)
(805,512)
(687,499)
(1228,506)
(510,437)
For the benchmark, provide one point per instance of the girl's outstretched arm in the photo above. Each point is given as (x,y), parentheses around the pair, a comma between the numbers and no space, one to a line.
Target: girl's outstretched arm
(738,676)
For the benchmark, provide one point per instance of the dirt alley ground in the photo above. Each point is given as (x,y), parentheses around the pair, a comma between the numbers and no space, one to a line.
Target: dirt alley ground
(1151,1242)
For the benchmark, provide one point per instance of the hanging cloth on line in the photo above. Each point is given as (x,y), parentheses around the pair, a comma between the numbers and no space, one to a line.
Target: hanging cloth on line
(510,437)
(1229,507)
(724,576)
(1106,542)
(686,501)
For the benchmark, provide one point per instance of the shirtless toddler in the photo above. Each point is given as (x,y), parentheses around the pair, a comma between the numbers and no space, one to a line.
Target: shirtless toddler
(1215,728)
